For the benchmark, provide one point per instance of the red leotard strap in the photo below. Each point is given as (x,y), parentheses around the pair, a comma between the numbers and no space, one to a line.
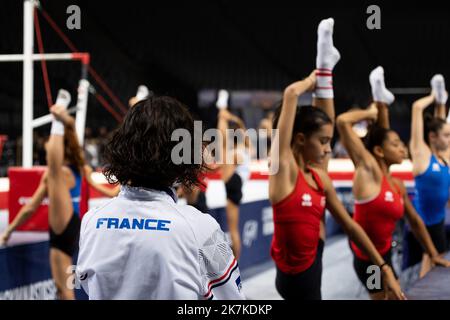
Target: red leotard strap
(316,179)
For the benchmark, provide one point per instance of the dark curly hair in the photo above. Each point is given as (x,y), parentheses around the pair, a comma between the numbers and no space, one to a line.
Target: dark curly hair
(73,152)
(139,152)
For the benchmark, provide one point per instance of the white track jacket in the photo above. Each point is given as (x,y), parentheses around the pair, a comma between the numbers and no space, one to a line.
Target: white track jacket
(143,245)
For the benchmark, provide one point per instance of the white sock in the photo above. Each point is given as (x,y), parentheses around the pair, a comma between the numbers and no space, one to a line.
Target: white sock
(63,99)
(379,91)
(222,100)
(57,128)
(438,87)
(327,57)
(142,93)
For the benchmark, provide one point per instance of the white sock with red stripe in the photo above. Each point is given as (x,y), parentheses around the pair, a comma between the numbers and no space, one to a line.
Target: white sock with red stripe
(379,91)
(327,57)
(438,87)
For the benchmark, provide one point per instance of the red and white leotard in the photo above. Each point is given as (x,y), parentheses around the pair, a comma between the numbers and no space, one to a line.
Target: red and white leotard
(297,226)
(378,217)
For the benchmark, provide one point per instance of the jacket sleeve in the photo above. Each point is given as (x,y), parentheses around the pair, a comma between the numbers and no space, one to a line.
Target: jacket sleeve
(220,272)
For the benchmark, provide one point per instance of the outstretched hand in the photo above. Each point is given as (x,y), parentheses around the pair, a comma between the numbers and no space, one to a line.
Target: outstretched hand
(60,113)
(391,285)
(313,79)
(373,112)
(439,261)
(132,101)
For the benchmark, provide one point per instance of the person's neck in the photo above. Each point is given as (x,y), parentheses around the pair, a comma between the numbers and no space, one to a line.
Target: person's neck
(301,163)
(383,166)
(440,155)
(435,151)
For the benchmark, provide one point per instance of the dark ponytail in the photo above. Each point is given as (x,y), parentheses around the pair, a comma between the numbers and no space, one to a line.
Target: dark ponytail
(376,135)
(308,119)
(431,124)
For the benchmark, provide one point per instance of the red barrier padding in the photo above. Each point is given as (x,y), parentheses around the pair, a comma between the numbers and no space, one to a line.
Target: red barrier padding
(84,197)
(348,176)
(3,200)
(335,176)
(22,185)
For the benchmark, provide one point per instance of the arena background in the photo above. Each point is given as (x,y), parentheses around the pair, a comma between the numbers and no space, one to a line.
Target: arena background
(179,49)
(186,49)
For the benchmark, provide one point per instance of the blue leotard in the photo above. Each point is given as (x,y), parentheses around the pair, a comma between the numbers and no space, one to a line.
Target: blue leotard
(432,192)
(75,192)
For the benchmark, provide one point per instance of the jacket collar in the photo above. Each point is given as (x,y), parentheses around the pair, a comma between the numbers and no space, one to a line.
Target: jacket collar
(140,193)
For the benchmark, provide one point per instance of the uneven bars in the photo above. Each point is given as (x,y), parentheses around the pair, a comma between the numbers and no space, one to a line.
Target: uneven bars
(48,118)
(83,56)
